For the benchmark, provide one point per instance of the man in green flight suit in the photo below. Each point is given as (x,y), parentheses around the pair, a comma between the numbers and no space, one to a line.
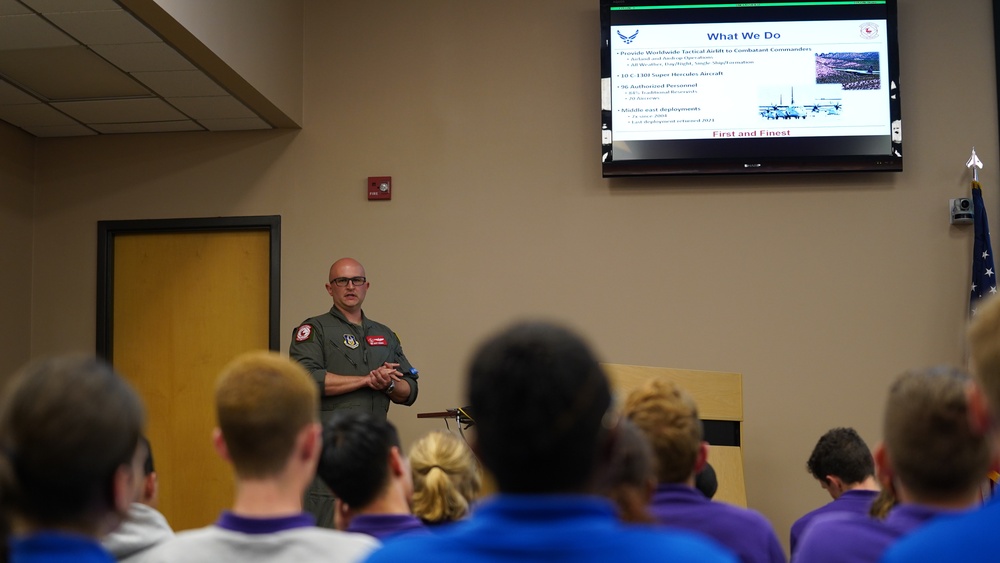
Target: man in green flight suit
(357,363)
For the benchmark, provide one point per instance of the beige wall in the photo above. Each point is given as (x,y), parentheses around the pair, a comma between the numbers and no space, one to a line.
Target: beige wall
(17,168)
(818,288)
(261,40)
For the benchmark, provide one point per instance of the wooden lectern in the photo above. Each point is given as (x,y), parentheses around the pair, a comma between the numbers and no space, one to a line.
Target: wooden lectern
(719,396)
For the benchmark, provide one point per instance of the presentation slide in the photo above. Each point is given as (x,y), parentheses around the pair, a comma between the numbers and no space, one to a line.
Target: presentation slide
(732,80)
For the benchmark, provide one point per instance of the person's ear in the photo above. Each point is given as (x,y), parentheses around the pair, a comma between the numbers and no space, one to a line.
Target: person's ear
(396,464)
(701,458)
(883,466)
(219,441)
(123,489)
(980,418)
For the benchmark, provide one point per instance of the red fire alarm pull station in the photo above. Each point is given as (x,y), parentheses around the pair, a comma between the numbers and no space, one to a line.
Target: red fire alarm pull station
(380,187)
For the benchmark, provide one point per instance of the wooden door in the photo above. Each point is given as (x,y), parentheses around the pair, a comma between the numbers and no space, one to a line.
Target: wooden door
(183,305)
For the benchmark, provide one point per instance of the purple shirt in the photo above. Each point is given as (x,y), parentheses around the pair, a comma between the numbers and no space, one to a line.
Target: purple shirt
(852,538)
(381,526)
(746,532)
(247,525)
(853,502)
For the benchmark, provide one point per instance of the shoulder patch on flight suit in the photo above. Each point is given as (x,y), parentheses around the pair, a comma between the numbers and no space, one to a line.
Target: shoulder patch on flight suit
(303,333)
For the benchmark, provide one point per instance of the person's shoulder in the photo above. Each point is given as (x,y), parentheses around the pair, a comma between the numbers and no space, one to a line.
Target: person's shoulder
(809,516)
(748,515)
(675,544)
(968,536)
(213,543)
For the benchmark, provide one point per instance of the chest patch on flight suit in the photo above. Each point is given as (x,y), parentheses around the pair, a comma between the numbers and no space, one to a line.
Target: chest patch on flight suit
(350,341)
(303,333)
(376,341)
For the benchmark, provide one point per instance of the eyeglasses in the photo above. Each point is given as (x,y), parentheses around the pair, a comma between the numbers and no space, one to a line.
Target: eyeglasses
(342,282)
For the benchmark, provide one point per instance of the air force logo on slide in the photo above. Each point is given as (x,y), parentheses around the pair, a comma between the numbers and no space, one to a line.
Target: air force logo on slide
(350,341)
(628,39)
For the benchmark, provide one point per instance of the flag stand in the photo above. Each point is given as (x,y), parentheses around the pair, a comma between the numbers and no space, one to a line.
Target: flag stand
(975,164)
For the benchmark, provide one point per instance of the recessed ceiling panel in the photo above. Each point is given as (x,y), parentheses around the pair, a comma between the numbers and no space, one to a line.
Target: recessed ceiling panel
(224,107)
(53,6)
(68,73)
(148,127)
(14,95)
(10,8)
(120,111)
(138,57)
(30,32)
(76,130)
(234,124)
(180,83)
(31,115)
(106,27)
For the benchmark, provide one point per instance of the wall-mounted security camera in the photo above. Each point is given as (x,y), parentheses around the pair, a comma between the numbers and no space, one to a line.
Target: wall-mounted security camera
(961,211)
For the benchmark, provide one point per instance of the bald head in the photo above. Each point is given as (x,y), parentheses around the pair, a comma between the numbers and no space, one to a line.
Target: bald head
(348,287)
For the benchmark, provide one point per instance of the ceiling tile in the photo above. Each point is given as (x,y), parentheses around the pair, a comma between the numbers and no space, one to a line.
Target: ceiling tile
(68,73)
(14,95)
(31,115)
(10,7)
(180,83)
(30,32)
(120,111)
(148,127)
(104,27)
(60,131)
(138,57)
(53,6)
(234,124)
(224,107)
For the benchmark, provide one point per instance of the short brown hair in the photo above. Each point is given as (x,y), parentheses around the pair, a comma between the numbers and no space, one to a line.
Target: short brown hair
(984,344)
(669,418)
(262,402)
(933,450)
(446,477)
(66,425)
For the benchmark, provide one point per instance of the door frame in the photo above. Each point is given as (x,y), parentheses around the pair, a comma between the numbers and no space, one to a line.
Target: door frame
(108,230)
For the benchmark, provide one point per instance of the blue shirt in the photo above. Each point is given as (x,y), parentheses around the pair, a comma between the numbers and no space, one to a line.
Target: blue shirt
(548,529)
(852,502)
(852,538)
(57,547)
(967,537)
(745,532)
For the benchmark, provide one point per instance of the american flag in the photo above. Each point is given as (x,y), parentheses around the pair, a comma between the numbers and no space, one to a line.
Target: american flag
(984,278)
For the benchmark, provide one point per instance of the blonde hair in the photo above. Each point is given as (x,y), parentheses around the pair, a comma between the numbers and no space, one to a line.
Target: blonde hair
(984,344)
(669,419)
(262,402)
(446,477)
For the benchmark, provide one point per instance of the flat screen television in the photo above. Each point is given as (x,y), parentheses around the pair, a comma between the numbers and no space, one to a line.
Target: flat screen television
(716,87)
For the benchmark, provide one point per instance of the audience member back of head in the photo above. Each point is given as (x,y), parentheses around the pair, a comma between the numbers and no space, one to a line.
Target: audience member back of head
(843,464)
(669,419)
(930,458)
(69,428)
(446,478)
(543,429)
(970,537)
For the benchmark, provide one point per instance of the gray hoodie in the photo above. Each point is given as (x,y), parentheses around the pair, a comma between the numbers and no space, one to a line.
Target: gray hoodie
(143,528)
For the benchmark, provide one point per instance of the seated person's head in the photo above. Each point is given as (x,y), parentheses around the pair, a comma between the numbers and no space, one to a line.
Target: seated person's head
(669,419)
(630,477)
(446,477)
(984,345)
(362,458)
(930,454)
(266,406)
(68,430)
(540,400)
(840,460)
(706,481)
